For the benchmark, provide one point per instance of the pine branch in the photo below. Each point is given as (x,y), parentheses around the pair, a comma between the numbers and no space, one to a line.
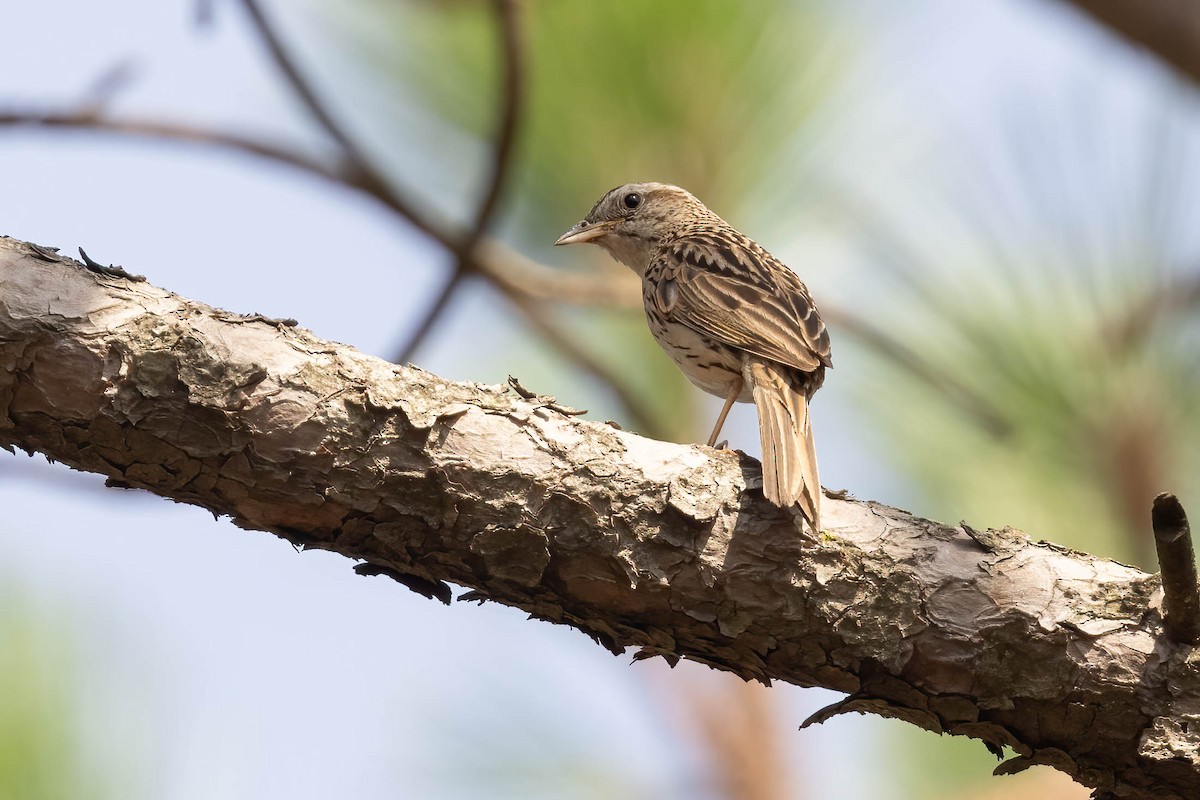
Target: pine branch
(670,549)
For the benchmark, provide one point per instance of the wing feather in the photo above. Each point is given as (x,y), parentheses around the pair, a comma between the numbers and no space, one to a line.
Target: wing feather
(727,287)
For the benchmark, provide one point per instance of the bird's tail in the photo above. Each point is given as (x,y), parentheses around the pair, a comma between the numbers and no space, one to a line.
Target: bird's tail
(789,460)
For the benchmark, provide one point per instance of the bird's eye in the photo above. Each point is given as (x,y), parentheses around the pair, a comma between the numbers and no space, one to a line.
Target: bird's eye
(633,200)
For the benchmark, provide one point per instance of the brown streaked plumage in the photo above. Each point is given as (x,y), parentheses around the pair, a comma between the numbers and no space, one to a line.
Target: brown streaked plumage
(738,322)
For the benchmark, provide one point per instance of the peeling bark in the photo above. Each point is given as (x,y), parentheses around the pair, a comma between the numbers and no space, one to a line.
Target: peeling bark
(1054,654)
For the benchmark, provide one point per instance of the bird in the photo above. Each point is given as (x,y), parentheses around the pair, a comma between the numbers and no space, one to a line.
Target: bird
(738,322)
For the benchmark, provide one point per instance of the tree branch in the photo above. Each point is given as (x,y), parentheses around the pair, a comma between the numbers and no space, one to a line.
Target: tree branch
(360,167)
(429,318)
(1177,565)
(1170,29)
(669,548)
(87,118)
(510,109)
(539,319)
(515,273)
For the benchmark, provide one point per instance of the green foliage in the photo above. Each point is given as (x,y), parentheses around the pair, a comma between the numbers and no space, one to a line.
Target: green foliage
(703,93)
(1056,322)
(41,753)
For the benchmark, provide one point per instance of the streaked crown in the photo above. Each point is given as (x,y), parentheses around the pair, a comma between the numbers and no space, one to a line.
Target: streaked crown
(632,220)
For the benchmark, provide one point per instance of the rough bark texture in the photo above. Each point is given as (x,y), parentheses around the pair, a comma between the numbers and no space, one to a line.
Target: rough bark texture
(669,548)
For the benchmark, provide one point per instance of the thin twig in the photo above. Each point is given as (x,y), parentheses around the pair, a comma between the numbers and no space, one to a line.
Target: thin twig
(175,132)
(971,403)
(493,259)
(603,288)
(511,109)
(110,83)
(430,318)
(343,173)
(205,13)
(1177,561)
(1141,315)
(640,414)
(880,229)
(366,174)
(299,84)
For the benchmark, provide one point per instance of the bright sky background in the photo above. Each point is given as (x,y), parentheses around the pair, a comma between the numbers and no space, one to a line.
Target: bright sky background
(239,668)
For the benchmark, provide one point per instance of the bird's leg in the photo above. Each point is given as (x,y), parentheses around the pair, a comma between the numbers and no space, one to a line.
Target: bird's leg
(734,390)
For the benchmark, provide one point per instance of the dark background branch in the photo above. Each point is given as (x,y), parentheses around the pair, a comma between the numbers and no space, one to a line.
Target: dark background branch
(1169,29)
(511,107)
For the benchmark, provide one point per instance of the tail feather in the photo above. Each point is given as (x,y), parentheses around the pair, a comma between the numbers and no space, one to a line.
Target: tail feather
(789,459)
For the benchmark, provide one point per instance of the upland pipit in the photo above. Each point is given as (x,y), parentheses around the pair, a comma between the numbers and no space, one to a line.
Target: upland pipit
(738,322)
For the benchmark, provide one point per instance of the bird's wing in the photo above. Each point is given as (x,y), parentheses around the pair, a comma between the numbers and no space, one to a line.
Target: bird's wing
(727,287)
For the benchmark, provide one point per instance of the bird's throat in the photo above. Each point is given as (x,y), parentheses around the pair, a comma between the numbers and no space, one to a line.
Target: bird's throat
(633,252)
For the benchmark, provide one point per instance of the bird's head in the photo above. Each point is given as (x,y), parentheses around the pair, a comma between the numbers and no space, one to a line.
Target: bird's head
(632,220)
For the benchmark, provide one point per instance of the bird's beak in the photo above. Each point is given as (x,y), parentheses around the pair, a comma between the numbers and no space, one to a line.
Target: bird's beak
(584,231)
